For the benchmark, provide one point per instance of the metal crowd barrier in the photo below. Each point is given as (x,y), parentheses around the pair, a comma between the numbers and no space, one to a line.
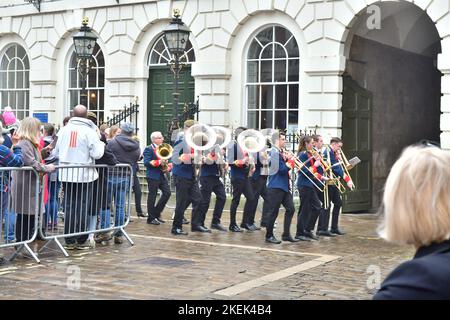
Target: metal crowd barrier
(19,208)
(83,212)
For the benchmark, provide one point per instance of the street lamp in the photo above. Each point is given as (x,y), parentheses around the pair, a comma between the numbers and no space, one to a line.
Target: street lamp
(176,36)
(84,42)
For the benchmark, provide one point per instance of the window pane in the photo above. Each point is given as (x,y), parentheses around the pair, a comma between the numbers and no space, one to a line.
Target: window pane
(281,96)
(21,52)
(12,65)
(20,79)
(281,35)
(293,70)
(100,59)
(292,48)
(253,97)
(92,82)
(280,70)
(11,79)
(93,100)
(101,77)
(84,99)
(27,79)
(2,80)
(293,118)
(73,99)
(267,52)
(280,120)
(266,119)
(265,36)
(293,96)
(252,71)
(19,65)
(21,101)
(12,100)
(254,50)
(266,97)
(11,52)
(26,63)
(4,65)
(266,71)
(73,78)
(101,102)
(279,51)
(253,120)
(5,101)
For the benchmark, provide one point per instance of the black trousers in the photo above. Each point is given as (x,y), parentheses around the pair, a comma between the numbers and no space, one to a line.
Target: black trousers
(240,186)
(259,190)
(310,207)
(77,204)
(137,193)
(153,186)
(187,191)
(278,197)
(316,214)
(24,227)
(324,220)
(208,185)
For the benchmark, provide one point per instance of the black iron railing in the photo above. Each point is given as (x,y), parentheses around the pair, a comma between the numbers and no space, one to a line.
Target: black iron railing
(128,114)
(190,111)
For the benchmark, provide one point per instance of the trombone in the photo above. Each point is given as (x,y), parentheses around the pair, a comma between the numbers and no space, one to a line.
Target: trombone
(336,181)
(345,165)
(299,165)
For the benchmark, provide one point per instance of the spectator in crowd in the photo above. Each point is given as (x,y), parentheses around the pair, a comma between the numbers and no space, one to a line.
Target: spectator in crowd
(416,205)
(24,194)
(78,144)
(66,120)
(8,158)
(50,157)
(113,132)
(126,151)
(137,186)
(103,128)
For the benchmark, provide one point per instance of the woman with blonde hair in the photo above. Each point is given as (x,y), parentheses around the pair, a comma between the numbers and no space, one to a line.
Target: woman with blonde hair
(416,205)
(23,189)
(113,132)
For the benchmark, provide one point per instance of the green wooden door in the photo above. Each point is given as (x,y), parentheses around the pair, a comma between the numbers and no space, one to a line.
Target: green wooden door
(357,137)
(160,98)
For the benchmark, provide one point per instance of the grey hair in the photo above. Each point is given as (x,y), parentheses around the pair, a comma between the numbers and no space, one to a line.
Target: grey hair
(154,134)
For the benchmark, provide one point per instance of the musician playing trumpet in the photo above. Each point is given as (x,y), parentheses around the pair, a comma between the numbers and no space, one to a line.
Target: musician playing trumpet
(311,178)
(156,178)
(332,154)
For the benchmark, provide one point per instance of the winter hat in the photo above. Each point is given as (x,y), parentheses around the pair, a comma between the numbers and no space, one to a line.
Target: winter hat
(8,116)
(127,128)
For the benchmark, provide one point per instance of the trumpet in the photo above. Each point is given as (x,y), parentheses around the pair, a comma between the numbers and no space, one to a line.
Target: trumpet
(299,165)
(164,152)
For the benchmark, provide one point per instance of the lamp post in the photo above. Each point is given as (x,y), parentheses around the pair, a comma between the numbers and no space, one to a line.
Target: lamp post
(84,42)
(176,36)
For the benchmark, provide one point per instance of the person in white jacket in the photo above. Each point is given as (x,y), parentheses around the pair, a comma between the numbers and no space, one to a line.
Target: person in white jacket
(78,145)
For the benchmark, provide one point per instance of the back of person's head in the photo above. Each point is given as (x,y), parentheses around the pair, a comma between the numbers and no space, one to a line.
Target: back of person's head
(80,111)
(103,127)
(92,116)
(49,129)
(113,131)
(189,123)
(127,128)
(66,120)
(416,200)
(29,129)
(303,141)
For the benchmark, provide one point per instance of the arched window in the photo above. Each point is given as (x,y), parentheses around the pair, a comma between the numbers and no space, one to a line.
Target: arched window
(15,81)
(272,83)
(160,54)
(94,95)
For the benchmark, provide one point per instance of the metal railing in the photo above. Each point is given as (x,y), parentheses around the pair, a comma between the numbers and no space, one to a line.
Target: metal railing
(128,114)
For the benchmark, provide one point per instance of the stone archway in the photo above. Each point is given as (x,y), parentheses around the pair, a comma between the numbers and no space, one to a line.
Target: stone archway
(397,65)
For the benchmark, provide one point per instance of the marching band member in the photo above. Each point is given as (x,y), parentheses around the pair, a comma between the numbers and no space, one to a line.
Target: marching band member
(238,160)
(187,189)
(310,204)
(156,179)
(210,182)
(335,197)
(278,190)
(258,183)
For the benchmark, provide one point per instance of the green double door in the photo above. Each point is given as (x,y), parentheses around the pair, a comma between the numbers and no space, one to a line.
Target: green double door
(160,99)
(357,137)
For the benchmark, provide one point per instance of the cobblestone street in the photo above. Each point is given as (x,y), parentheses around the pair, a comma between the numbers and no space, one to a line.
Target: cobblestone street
(221,265)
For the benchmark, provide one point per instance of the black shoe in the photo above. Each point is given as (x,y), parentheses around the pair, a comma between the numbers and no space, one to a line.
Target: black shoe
(301,237)
(161,220)
(273,240)
(200,229)
(325,234)
(154,221)
(142,215)
(337,231)
(179,232)
(185,221)
(310,235)
(218,226)
(246,226)
(3,261)
(255,227)
(289,238)
(234,228)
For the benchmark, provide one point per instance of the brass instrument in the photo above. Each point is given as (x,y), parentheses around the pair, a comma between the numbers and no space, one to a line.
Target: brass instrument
(200,137)
(164,152)
(223,138)
(336,181)
(346,166)
(299,165)
(251,141)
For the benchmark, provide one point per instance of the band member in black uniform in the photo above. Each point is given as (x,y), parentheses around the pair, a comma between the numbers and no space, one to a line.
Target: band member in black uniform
(308,181)
(278,190)
(258,183)
(317,146)
(332,153)
(156,179)
(210,182)
(238,160)
(186,184)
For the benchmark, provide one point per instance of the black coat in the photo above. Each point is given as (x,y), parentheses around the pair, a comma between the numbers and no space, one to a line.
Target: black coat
(427,276)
